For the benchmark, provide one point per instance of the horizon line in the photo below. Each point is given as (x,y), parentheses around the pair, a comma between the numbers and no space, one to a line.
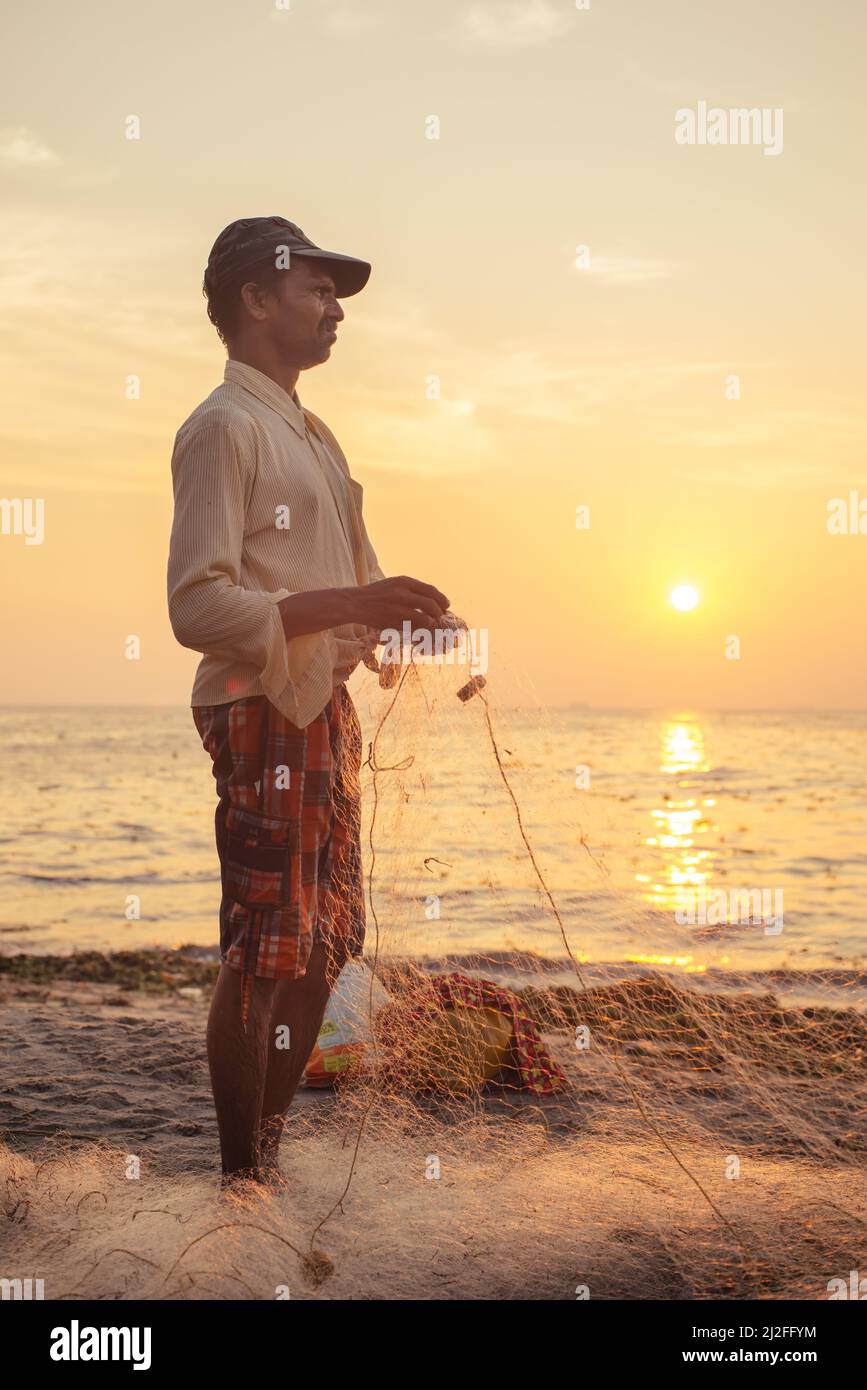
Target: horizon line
(575,705)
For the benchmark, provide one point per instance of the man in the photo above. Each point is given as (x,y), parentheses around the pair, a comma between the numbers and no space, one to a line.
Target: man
(272,577)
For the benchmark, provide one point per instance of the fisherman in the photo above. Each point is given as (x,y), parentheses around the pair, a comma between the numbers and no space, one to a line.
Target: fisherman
(272,577)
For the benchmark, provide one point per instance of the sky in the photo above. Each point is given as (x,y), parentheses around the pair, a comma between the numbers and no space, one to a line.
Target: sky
(694,376)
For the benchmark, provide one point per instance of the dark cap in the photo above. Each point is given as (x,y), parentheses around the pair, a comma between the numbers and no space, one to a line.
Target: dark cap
(250,240)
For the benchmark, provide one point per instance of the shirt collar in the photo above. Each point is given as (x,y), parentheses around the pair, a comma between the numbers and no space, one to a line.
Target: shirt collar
(264,388)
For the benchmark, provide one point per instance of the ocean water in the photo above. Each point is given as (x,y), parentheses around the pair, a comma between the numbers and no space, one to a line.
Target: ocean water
(104,803)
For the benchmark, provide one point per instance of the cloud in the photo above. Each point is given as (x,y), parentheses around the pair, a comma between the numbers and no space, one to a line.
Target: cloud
(429,437)
(18,145)
(627,270)
(775,426)
(486,396)
(345,20)
(518,381)
(50,276)
(483,397)
(513,23)
(348,20)
(754,472)
(718,439)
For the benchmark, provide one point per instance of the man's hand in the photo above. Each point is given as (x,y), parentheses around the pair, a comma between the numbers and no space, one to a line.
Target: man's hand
(388,603)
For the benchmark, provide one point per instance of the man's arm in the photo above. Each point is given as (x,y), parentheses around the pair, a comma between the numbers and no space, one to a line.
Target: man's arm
(209,609)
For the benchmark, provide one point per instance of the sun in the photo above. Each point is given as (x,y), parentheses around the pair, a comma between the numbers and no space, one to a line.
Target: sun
(684,598)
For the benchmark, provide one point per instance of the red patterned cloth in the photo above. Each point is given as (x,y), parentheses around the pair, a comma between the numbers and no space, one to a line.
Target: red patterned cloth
(288,823)
(537,1071)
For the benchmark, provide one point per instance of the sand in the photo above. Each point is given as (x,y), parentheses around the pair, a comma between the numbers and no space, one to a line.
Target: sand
(534,1198)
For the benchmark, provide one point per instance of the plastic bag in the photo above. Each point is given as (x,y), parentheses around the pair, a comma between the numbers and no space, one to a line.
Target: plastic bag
(345,1033)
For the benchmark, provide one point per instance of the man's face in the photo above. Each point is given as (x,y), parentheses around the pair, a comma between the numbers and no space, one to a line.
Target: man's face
(302,314)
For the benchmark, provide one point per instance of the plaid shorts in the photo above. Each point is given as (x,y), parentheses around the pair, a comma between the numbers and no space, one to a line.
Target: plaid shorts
(288,835)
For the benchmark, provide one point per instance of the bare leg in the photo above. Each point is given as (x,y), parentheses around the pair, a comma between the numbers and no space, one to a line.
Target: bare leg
(299,1006)
(238,1062)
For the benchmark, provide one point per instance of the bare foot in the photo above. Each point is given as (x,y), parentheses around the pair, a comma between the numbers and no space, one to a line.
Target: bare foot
(240,1180)
(273,1176)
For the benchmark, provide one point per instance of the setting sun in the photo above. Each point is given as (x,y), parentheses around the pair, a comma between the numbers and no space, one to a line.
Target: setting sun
(684,598)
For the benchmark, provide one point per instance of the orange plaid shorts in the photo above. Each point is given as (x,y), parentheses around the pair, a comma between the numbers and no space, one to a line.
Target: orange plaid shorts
(288,835)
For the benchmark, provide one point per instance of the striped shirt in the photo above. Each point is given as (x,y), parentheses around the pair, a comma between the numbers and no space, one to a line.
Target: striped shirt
(264,508)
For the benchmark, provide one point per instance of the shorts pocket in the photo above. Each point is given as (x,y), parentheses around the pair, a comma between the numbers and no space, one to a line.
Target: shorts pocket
(256,858)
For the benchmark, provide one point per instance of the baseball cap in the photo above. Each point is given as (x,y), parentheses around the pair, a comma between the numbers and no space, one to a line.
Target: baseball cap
(252,239)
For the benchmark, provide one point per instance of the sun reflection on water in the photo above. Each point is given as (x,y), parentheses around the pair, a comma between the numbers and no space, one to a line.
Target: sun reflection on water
(681,859)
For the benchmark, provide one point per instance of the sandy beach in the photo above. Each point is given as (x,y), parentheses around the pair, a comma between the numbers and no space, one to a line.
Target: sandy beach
(535,1198)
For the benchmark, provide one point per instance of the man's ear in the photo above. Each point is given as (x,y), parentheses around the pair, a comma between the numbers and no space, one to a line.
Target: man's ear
(253,299)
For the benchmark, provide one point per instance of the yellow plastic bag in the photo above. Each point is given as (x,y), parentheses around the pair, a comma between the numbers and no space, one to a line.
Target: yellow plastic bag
(344,1037)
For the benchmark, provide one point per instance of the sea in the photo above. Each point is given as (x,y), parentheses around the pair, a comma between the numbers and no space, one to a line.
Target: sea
(648,829)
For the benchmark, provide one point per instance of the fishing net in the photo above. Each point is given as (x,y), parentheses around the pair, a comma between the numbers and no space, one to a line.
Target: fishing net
(743,1117)
(539,1110)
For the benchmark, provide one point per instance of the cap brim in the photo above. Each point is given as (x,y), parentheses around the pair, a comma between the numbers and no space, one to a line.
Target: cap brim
(349,275)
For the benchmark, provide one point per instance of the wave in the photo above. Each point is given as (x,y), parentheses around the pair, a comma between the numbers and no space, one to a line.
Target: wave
(76,880)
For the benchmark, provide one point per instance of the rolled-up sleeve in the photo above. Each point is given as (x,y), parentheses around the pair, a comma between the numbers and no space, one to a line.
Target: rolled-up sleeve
(209,610)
